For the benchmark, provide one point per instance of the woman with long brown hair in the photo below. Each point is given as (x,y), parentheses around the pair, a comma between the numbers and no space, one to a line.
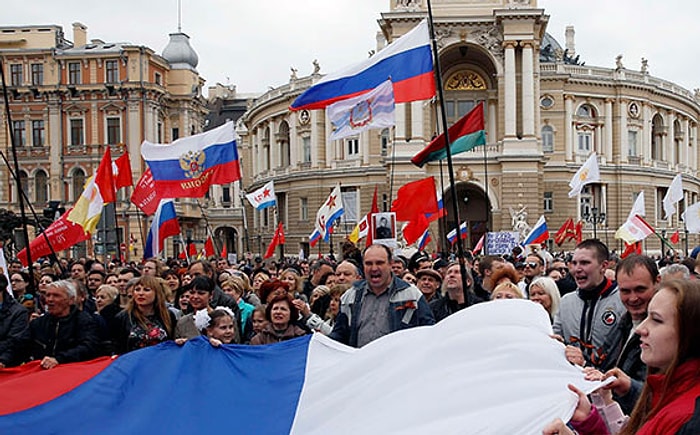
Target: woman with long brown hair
(146,320)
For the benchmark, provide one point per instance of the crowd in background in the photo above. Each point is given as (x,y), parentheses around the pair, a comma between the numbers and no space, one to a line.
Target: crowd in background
(607,311)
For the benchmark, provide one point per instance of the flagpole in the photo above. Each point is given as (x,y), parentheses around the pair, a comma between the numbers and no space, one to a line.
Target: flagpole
(487,203)
(246,237)
(10,127)
(186,248)
(393,163)
(453,189)
(139,219)
(206,221)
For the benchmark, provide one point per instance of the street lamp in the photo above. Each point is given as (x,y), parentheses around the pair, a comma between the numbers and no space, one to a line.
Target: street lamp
(594,217)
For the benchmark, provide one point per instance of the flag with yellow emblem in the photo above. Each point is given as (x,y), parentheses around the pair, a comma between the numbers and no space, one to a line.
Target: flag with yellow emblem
(589,173)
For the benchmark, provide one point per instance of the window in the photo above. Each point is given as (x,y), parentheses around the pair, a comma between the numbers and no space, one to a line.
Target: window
(303,209)
(38,133)
(78,182)
(352,147)
(114,133)
(76,132)
(16,78)
(385,141)
(158,78)
(632,147)
(159,132)
(19,133)
(41,187)
(547,139)
(112,71)
(586,111)
(226,196)
(350,204)
(74,77)
(585,141)
(548,201)
(306,145)
(37,74)
(175,133)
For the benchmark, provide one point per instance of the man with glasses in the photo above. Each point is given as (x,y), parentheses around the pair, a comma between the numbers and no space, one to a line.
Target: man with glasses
(566,283)
(532,268)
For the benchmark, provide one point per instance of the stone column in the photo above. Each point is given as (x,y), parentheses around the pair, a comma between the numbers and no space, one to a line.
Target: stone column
(646,134)
(491,128)
(400,116)
(417,120)
(668,152)
(274,145)
(685,158)
(623,135)
(569,127)
(510,89)
(693,162)
(608,140)
(528,90)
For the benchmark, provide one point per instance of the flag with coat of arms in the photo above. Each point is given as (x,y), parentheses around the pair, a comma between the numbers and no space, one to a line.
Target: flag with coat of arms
(375,109)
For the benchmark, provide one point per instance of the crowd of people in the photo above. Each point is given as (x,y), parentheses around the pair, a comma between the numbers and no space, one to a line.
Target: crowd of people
(633,319)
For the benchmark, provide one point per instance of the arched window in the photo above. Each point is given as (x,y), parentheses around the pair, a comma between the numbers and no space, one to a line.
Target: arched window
(586,123)
(283,140)
(547,139)
(78,183)
(41,187)
(657,139)
(25,186)
(266,149)
(678,136)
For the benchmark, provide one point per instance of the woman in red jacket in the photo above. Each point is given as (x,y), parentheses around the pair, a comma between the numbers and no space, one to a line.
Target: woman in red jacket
(670,344)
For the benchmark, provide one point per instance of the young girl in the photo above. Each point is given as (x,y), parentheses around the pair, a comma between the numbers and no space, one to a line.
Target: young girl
(219,325)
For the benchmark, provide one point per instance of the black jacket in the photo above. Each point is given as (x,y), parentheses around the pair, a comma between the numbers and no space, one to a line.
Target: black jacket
(68,339)
(14,332)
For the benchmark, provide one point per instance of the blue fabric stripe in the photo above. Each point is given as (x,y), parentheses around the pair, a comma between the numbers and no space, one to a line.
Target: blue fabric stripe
(167,170)
(402,66)
(191,389)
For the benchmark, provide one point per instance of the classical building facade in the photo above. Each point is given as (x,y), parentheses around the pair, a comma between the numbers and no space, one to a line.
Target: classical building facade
(545,113)
(70,100)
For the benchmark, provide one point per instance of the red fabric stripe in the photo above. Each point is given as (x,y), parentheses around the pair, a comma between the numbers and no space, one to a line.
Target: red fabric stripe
(29,385)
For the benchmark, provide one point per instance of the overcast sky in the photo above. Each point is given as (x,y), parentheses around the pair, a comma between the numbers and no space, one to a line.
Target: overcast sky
(253,43)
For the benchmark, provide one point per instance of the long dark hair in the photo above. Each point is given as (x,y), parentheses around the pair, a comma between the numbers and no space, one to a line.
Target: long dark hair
(687,295)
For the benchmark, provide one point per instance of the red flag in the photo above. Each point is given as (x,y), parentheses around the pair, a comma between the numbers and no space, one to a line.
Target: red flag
(122,174)
(675,238)
(374,209)
(566,232)
(415,198)
(579,232)
(209,247)
(224,251)
(415,229)
(634,248)
(144,196)
(479,245)
(62,234)
(104,178)
(277,239)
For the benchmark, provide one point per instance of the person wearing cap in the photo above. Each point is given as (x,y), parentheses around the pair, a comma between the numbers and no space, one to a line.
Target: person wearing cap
(429,282)
(441,266)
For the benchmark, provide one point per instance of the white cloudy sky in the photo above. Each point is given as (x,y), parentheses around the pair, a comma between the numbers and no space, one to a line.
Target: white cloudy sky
(253,43)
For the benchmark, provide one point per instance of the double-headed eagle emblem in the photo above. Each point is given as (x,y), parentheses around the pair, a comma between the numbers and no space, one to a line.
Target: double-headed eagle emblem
(192,162)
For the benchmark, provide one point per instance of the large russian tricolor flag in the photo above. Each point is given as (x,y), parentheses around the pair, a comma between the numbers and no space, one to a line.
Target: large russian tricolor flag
(494,363)
(407,62)
(187,167)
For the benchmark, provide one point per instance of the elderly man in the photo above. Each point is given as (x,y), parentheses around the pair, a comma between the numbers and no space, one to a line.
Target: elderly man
(429,282)
(65,334)
(379,304)
(453,299)
(588,317)
(347,273)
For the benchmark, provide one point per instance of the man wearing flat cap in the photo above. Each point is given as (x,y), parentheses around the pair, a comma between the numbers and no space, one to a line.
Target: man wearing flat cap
(429,282)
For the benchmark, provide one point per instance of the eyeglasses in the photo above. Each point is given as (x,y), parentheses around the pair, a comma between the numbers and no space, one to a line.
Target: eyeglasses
(532,264)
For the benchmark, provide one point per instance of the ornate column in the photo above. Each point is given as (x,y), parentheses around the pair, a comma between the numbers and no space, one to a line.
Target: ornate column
(510,89)
(623,134)
(668,152)
(646,134)
(608,142)
(528,89)
(569,126)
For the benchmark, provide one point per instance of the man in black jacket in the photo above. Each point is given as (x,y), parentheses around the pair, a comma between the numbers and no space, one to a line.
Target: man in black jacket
(65,334)
(14,328)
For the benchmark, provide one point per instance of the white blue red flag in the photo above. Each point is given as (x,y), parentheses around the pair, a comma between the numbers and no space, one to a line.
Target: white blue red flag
(331,210)
(375,109)
(407,62)
(424,240)
(164,225)
(187,167)
(538,234)
(314,238)
(264,197)
(313,385)
(452,235)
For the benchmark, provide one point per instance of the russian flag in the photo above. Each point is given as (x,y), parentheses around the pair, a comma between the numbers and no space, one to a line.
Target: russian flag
(407,62)
(424,240)
(452,235)
(314,385)
(539,233)
(164,225)
(314,238)
(187,167)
